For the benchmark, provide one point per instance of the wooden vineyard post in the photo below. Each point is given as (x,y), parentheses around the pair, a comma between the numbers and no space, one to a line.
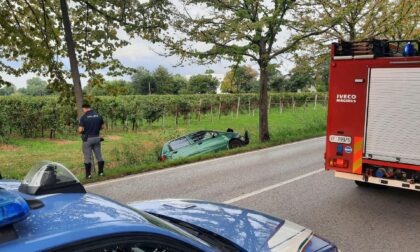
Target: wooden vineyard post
(280,105)
(163,118)
(325,101)
(238,106)
(316,99)
(220,108)
(293,104)
(211,113)
(176,116)
(199,111)
(249,105)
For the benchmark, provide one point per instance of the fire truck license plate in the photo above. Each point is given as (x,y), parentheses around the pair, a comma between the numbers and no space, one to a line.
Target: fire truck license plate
(340,139)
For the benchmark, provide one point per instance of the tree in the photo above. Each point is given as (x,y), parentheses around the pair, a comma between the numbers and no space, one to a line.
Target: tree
(87,32)
(403,20)
(240,79)
(322,73)
(301,76)
(143,82)
(159,81)
(163,79)
(7,90)
(239,30)
(364,19)
(114,88)
(202,84)
(179,84)
(35,87)
(276,81)
(361,20)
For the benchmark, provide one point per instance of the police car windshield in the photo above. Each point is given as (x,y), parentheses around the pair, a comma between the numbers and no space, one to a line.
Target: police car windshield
(168,226)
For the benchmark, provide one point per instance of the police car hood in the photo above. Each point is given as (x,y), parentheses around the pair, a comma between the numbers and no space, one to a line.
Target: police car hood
(253,231)
(10,184)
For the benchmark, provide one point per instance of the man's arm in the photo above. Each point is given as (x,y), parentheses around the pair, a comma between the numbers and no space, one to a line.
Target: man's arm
(102,124)
(81,126)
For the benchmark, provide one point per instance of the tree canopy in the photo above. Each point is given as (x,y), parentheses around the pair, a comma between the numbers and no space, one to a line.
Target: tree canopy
(241,30)
(35,87)
(112,88)
(39,35)
(160,81)
(7,90)
(202,84)
(240,79)
(364,19)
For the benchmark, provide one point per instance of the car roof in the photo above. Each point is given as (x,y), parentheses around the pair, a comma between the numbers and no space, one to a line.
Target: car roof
(71,217)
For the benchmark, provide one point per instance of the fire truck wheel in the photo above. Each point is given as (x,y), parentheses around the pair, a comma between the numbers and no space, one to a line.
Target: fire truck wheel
(365,184)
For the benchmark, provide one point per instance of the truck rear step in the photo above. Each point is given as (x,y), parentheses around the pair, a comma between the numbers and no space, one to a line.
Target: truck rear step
(379,181)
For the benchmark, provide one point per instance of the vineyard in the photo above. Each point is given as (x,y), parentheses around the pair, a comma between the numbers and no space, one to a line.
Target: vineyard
(47,117)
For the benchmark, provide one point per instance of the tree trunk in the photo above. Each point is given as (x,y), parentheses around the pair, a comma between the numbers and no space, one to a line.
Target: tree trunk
(71,51)
(264,133)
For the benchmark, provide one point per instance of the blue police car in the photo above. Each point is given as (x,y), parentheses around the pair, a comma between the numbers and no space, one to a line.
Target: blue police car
(51,211)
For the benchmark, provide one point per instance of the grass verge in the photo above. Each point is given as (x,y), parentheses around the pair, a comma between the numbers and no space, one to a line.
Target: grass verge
(135,152)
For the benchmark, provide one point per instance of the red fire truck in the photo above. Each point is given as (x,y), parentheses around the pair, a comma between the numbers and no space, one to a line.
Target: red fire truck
(373,131)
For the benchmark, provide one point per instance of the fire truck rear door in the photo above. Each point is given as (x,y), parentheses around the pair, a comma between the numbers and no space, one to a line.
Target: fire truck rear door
(393,115)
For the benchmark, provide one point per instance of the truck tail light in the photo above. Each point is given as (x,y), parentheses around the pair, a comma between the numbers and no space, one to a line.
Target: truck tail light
(339,163)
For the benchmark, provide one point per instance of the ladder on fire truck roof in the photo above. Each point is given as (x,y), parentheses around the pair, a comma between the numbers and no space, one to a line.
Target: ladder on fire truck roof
(374,48)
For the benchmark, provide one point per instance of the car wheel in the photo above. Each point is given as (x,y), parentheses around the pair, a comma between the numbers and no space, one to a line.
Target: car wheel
(235,143)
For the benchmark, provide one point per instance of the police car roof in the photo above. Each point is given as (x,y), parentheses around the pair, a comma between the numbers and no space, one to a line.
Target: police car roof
(65,218)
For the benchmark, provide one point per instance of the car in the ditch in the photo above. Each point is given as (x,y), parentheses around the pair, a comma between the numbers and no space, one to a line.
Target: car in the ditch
(201,142)
(51,211)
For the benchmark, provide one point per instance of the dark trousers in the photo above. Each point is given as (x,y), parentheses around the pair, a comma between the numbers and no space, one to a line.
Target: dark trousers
(92,144)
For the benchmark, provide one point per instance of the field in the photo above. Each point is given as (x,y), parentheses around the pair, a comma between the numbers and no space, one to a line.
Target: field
(128,152)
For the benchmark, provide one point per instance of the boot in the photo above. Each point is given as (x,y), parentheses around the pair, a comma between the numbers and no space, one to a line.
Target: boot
(101,165)
(88,167)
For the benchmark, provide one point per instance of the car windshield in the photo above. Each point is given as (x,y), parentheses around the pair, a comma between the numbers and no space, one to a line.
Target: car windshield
(161,223)
(179,143)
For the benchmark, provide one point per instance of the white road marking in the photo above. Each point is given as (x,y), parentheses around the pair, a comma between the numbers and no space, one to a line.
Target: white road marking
(269,188)
(91,185)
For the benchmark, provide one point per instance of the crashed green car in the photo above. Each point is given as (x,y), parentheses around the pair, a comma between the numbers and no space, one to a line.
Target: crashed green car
(201,142)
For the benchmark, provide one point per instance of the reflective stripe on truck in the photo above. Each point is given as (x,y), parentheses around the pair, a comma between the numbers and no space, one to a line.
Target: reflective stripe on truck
(379,181)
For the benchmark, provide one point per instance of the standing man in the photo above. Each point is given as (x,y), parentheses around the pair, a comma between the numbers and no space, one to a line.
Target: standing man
(90,126)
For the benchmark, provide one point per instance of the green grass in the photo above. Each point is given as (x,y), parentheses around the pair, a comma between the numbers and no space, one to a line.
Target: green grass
(133,152)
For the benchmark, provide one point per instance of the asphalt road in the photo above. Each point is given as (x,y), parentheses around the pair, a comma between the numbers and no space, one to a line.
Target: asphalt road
(288,181)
